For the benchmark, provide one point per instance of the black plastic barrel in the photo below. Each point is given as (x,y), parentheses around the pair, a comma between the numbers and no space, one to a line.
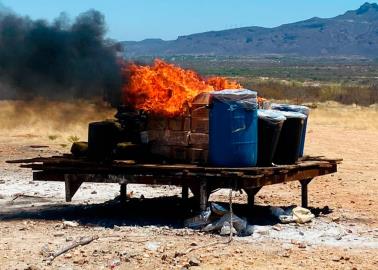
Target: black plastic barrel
(269,129)
(102,139)
(295,108)
(289,143)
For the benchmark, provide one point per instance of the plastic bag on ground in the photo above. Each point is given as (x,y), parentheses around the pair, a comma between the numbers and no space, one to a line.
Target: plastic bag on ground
(239,224)
(218,209)
(302,215)
(199,221)
(297,214)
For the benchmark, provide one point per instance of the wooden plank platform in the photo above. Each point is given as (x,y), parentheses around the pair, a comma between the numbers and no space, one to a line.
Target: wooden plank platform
(202,180)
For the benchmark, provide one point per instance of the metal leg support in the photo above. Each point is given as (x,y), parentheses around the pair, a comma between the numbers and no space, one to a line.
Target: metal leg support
(304,184)
(123,193)
(204,196)
(72,184)
(251,192)
(185,192)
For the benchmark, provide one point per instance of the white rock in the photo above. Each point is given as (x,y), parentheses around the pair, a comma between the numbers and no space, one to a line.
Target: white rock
(70,224)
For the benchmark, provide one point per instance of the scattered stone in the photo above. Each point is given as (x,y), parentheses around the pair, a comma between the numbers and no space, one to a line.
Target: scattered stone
(67,224)
(58,234)
(126,257)
(225,230)
(94,192)
(45,251)
(2,181)
(286,246)
(116,228)
(263,232)
(302,245)
(114,263)
(285,255)
(152,246)
(335,219)
(68,256)
(32,267)
(164,257)
(294,242)
(193,244)
(336,259)
(69,239)
(194,261)
(80,261)
(179,254)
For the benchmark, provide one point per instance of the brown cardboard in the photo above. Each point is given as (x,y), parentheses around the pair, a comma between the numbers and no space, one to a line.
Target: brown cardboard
(196,155)
(179,124)
(200,125)
(200,111)
(200,140)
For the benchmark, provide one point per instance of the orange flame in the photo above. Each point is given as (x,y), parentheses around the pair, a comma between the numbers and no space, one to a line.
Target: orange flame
(167,89)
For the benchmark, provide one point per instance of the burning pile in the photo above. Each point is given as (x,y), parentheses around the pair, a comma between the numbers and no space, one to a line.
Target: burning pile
(165,115)
(167,90)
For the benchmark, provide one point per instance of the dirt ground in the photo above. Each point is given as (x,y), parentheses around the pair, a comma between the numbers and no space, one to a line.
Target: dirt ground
(147,232)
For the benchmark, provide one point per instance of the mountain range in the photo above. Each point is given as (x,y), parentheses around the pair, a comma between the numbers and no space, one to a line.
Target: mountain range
(354,33)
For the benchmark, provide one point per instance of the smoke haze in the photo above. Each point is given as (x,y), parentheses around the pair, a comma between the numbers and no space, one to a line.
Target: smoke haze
(58,60)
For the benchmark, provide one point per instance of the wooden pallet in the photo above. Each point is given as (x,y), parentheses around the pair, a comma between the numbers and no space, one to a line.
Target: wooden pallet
(202,180)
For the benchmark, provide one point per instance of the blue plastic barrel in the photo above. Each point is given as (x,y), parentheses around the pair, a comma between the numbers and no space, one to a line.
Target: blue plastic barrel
(300,109)
(233,128)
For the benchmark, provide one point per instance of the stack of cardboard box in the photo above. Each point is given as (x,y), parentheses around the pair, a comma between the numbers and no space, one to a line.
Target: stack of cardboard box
(181,139)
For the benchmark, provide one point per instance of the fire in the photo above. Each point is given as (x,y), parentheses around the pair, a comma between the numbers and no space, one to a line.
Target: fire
(220,83)
(167,89)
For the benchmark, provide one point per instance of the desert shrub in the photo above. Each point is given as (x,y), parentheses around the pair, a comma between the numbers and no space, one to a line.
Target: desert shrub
(299,92)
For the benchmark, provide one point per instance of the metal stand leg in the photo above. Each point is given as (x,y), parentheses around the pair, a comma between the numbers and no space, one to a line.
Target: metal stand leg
(72,184)
(203,195)
(123,193)
(185,192)
(251,196)
(304,184)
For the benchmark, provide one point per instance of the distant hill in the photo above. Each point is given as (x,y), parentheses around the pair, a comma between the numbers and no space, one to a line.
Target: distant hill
(354,33)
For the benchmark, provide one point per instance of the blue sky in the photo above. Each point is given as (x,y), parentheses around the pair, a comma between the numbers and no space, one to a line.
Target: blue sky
(167,19)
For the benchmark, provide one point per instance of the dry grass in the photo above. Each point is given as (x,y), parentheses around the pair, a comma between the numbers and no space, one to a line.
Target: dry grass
(66,122)
(345,116)
(51,119)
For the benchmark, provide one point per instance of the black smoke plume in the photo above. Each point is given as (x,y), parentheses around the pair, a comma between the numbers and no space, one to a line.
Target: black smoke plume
(58,60)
